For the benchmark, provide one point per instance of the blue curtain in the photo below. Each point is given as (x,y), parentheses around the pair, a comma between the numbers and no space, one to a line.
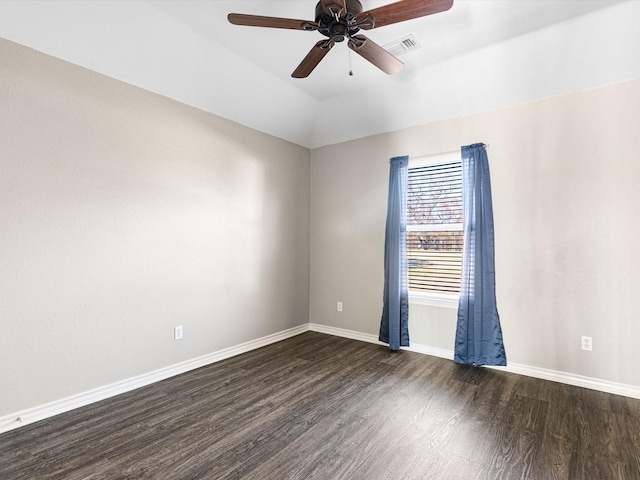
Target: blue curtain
(478,333)
(394,328)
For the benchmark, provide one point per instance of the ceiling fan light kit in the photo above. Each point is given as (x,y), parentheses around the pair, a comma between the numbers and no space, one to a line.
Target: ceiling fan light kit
(340,20)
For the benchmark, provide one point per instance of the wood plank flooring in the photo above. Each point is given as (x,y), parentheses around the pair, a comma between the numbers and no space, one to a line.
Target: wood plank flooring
(321,407)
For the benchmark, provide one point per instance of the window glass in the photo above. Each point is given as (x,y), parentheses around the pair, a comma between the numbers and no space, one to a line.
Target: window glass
(434,225)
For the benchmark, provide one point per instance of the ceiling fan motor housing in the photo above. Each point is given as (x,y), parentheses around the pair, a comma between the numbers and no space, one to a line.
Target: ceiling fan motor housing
(340,25)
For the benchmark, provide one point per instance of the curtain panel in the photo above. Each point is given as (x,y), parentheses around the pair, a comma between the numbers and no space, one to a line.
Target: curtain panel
(478,332)
(394,325)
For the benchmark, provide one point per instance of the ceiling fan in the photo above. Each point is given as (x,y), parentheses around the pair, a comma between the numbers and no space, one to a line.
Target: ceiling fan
(343,19)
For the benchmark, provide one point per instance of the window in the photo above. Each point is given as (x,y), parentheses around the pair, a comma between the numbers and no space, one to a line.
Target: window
(434,229)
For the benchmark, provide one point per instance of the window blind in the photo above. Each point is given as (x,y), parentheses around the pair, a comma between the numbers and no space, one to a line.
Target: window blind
(434,227)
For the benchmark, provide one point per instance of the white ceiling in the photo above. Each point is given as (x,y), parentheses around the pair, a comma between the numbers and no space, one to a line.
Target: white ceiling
(480,55)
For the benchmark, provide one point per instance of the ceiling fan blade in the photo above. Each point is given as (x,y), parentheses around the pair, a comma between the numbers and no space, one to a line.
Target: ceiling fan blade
(375,54)
(401,11)
(271,22)
(312,59)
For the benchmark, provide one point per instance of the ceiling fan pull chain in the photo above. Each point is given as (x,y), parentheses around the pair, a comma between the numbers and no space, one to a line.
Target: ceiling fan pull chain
(350,69)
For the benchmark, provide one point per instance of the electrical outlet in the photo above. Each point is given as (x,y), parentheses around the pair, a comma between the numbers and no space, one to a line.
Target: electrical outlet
(587,344)
(339,306)
(177,332)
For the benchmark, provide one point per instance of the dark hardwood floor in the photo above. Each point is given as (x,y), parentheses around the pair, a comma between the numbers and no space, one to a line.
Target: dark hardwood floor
(323,407)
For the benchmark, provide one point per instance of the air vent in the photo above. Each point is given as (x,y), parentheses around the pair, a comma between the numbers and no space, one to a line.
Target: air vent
(404,45)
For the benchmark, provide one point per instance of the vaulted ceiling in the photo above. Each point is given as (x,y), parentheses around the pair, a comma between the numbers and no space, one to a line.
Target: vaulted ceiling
(479,55)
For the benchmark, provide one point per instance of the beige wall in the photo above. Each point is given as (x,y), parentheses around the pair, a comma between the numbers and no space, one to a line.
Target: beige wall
(123,214)
(565,175)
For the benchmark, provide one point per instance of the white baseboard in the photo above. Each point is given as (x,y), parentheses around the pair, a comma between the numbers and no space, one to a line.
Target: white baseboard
(365,337)
(342,332)
(31,415)
(606,386)
(535,372)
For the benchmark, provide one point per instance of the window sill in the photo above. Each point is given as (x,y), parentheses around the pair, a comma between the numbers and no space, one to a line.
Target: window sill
(434,300)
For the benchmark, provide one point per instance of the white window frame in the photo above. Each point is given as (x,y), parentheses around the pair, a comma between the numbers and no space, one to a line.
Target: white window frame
(443,300)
